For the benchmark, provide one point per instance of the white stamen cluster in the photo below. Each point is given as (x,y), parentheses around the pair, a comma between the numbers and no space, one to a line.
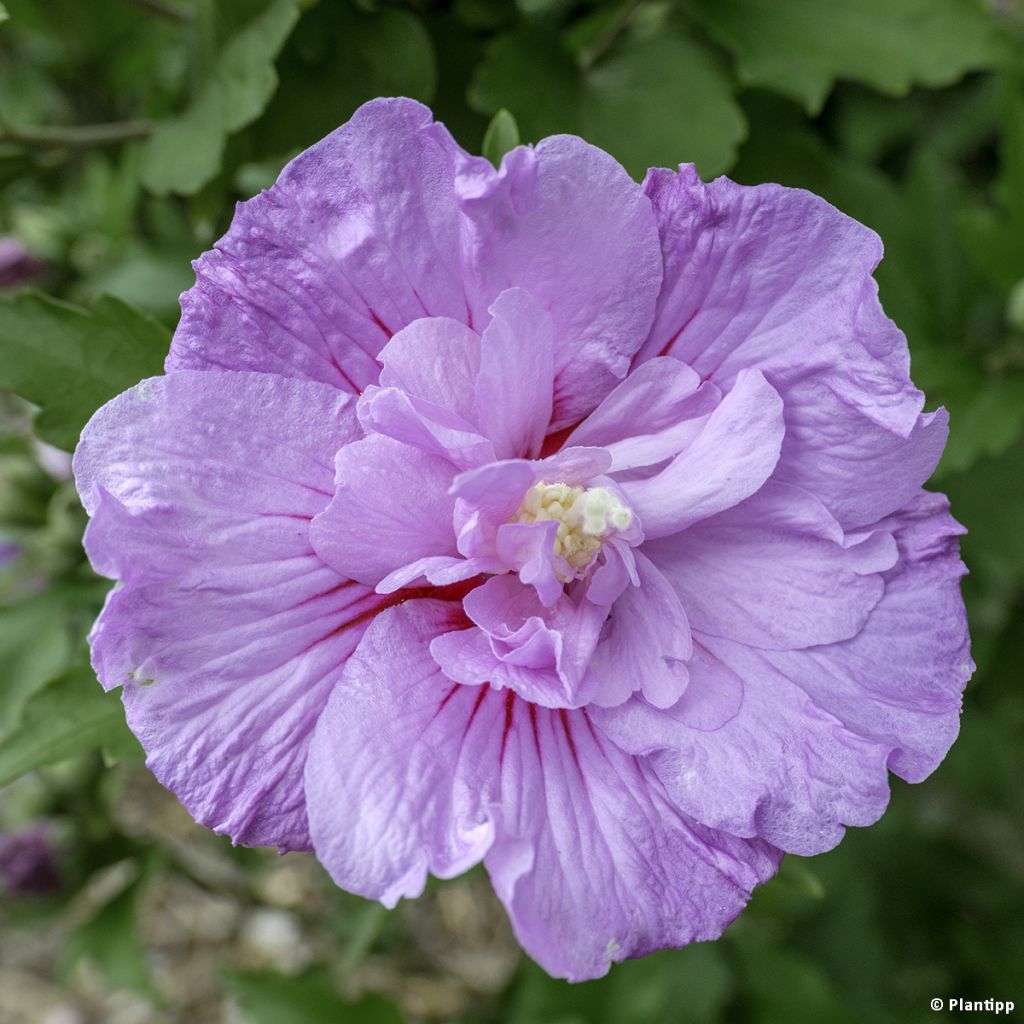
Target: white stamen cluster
(584,517)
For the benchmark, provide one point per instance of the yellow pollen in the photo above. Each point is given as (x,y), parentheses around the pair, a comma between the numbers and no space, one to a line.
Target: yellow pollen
(585,517)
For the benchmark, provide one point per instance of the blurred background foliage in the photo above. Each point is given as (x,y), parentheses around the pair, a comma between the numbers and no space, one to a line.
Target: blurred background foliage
(128,129)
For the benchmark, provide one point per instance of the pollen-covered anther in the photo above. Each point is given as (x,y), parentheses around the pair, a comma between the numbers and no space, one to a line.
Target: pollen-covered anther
(585,517)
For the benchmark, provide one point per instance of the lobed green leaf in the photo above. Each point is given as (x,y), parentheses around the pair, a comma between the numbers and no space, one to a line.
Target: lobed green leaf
(69,361)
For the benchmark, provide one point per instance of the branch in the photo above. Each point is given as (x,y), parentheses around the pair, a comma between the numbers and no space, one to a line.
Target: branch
(76,136)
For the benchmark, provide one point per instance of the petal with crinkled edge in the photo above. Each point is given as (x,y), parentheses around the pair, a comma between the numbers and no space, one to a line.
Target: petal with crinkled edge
(565,222)
(646,643)
(589,856)
(860,470)
(227,632)
(730,458)
(358,238)
(651,416)
(776,278)
(807,748)
(774,572)
(388,220)
(390,508)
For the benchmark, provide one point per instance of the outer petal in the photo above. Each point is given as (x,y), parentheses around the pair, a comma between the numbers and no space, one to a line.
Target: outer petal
(590,858)
(358,237)
(807,751)
(900,679)
(227,632)
(729,460)
(777,279)
(774,572)
(861,471)
(391,507)
(565,222)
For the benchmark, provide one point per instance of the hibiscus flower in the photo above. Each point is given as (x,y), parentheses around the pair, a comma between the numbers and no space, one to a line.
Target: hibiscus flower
(535,518)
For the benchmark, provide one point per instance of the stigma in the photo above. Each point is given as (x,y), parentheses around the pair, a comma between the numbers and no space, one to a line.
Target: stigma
(585,517)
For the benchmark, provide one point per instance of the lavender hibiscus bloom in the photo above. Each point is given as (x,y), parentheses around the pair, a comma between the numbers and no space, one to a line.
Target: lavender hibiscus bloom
(535,518)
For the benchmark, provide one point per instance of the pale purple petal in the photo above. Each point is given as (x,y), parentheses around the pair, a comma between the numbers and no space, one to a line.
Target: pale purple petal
(889,698)
(653,414)
(900,680)
(514,390)
(439,570)
(227,632)
(518,643)
(565,222)
(391,507)
(774,572)
(777,279)
(646,644)
(729,460)
(431,428)
(591,859)
(860,470)
(390,796)
(358,238)
(528,549)
(780,768)
(436,359)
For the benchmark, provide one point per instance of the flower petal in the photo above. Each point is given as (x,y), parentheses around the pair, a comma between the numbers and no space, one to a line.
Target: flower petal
(431,428)
(773,572)
(514,390)
(646,644)
(565,222)
(517,643)
(780,768)
(729,460)
(861,471)
(358,238)
(807,750)
(900,680)
(777,279)
(653,414)
(227,633)
(436,359)
(590,858)
(390,507)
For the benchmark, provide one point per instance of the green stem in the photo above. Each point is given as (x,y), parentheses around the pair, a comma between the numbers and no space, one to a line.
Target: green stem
(368,928)
(163,10)
(611,32)
(76,136)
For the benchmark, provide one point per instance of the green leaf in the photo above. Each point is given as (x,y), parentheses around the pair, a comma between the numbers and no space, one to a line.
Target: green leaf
(340,57)
(3,14)
(112,941)
(69,361)
(267,997)
(801,47)
(655,98)
(986,422)
(684,986)
(790,987)
(502,135)
(993,237)
(36,645)
(69,716)
(185,152)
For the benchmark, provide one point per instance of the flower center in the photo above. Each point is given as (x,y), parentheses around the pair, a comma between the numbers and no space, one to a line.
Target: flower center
(585,516)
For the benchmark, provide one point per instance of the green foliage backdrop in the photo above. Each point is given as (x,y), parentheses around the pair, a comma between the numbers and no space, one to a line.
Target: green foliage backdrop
(129,128)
